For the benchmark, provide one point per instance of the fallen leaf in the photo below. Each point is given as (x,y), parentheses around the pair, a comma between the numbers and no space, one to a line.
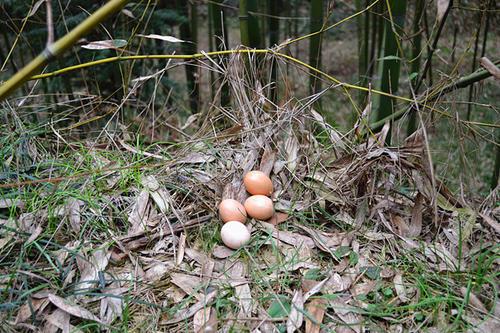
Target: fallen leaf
(128,13)
(112,303)
(73,212)
(337,283)
(292,151)
(157,272)
(415,227)
(72,308)
(242,292)
(267,161)
(315,310)
(169,39)
(363,288)
(296,316)
(190,284)
(160,195)
(181,249)
(90,267)
(400,288)
(137,217)
(492,223)
(29,309)
(188,313)
(278,218)
(222,252)
(8,203)
(59,319)
(399,225)
(473,300)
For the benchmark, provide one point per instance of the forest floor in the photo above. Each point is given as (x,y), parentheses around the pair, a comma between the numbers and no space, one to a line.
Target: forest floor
(120,234)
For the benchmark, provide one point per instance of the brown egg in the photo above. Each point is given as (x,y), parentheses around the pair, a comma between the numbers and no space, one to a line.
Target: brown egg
(257,182)
(259,207)
(232,210)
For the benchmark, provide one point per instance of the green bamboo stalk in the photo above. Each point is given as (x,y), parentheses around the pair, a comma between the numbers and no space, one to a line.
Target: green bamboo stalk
(249,24)
(363,23)
(262,8)
(274,32)
(376,20)
(390,62)
(211,47)
(496,168)
(220,39)
(315,24)
(432,48)
(188,48)
(61,45)
(474,57)
(415,57)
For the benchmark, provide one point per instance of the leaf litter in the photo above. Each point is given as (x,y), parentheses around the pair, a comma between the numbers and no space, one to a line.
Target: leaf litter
(353,232)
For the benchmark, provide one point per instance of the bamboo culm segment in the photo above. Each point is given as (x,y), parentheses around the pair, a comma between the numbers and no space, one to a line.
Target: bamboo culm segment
(389,63)
(61,45)
(316,24)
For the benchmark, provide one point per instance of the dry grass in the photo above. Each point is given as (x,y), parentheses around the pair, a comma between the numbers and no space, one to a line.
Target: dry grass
(365,239)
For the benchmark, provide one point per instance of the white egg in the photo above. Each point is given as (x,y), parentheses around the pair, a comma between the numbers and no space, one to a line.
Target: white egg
(234,234)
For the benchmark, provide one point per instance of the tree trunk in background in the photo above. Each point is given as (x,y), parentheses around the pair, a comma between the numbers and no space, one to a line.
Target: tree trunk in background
(415,58)
(274,7)
(189,48)
(363,23)
(249,24)
(316,23)
(219,37)
(390,62)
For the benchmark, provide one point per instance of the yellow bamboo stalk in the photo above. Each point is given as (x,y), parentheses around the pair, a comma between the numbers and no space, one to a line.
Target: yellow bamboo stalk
(61,45)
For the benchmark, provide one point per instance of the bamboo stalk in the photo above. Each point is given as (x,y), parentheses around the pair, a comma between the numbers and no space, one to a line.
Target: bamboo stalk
(415,55)
(363,23)
(316,23)
(249,24)
(274,31)
(432,48)
(220,38)
(390,62)
(187,35)
(481,17)
(60,46)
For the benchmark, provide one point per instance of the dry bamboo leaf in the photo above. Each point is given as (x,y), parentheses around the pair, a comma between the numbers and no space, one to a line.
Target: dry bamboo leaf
(267,161)
(105,44)
(222,252)
(181,249)
(294,239)
(316,309)
(188,313)
(315,289)
(137,217)
(164,38)
(399,225)
(474,300)
(59,319)
(89,268)
(201,318)
(292,152)
(242,291)
(442,6)
(415,227)
(8,203)
(30,308)
(159,194)
(492,223)
(34,235)
(337,283)
(73,212)
(190,284)
(400,288)
(490,67)
(278,218)
(363,288)
(296,316)
(72,308)
(112,305)
(202,259)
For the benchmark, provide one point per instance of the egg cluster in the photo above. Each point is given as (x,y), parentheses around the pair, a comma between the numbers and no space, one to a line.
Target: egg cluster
(234,233)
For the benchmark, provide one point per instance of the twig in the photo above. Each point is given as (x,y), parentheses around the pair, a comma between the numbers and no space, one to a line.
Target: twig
(50,23)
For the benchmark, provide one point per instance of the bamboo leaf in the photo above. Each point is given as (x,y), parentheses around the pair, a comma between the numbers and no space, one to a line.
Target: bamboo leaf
(105,44)
(169,39)
(35,7)
(442,6)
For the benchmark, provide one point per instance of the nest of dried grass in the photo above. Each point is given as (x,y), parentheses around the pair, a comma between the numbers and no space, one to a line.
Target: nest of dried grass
(336,196)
